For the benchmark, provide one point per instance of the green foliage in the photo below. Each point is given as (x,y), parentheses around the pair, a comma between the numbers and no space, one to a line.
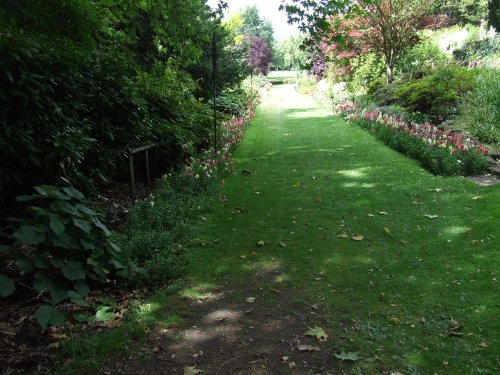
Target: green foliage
(63,245)
(48,316)
(437,94)
(437,160)
(58,106)
(477,48)
(291,53)
(154,236)
(421,59)
(366,70)
(480,113)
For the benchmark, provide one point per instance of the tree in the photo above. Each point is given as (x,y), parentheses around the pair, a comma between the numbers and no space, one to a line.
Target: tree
(259,55)
(389,27)
(294,57)
(255,25)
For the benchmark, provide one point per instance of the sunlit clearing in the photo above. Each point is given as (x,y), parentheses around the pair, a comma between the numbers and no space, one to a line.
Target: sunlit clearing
(308,114)
(354,173)
(456,230)
(356,185)
(197,293)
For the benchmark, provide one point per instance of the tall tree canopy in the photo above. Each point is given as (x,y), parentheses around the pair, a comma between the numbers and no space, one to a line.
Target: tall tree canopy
(388,27)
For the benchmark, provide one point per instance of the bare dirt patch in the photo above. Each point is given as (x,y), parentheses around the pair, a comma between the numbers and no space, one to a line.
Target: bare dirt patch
(240,330)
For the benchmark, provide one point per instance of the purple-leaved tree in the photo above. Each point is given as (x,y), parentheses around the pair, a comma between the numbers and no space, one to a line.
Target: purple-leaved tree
(259,54)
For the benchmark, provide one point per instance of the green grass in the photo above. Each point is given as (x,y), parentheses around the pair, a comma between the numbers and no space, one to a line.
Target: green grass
(393,296)
(282,76)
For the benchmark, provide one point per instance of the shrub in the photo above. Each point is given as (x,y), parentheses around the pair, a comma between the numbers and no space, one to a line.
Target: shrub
(366,70)
(421,59)
(60,248)
(437,94)
(478,48)
(480,113)
(437,160)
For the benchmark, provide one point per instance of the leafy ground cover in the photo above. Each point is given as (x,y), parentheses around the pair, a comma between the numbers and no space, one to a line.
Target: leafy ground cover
(396,266)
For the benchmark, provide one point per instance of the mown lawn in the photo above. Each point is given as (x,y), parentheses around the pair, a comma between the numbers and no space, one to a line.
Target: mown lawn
(413,294)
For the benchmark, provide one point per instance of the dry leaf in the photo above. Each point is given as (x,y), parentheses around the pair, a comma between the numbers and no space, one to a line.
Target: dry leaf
(395,320)
(343,235)
(284,359)
(308,348)
(476,198)
(318,333)
(260,243)
(383,213)
(431,216)
(358,237)
(387,231)
(292,365)
(250,299)
(191,370)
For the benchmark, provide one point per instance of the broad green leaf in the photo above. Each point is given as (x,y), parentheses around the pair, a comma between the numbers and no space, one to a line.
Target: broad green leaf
(48,316)
(82,287)
(42,262)
(87,245)
(42,190)
(56,225)
(72,192)
(350,356)
(7,286)
(85,209)
(58,293)
(114,246)
(4,249)
(77,299)
(42,281)
(83,225)
(103,227)
(25,265)
(73,270)
(28,234)
(102,315)
(83,318)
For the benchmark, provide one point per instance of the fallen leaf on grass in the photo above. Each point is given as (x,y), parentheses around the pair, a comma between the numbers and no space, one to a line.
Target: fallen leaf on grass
(395,320)
(476,198)
(260,243)
(437,190)
(343,235)
(431,216)
(191,370)
(282,244)
(284,359)
(351,356)
(383,213)
(250,299)
(358,237)
(371,215)
(308,348)
(387,231)
(318,333)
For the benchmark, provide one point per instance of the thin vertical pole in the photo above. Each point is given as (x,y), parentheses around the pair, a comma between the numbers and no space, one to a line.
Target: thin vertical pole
(132,177)
(147,168)
(214,82)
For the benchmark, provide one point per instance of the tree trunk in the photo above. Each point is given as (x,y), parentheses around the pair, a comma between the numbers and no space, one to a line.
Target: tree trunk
(390,74)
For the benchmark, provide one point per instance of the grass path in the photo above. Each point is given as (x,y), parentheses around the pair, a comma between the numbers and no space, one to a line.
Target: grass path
(413,295)
(417,295)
